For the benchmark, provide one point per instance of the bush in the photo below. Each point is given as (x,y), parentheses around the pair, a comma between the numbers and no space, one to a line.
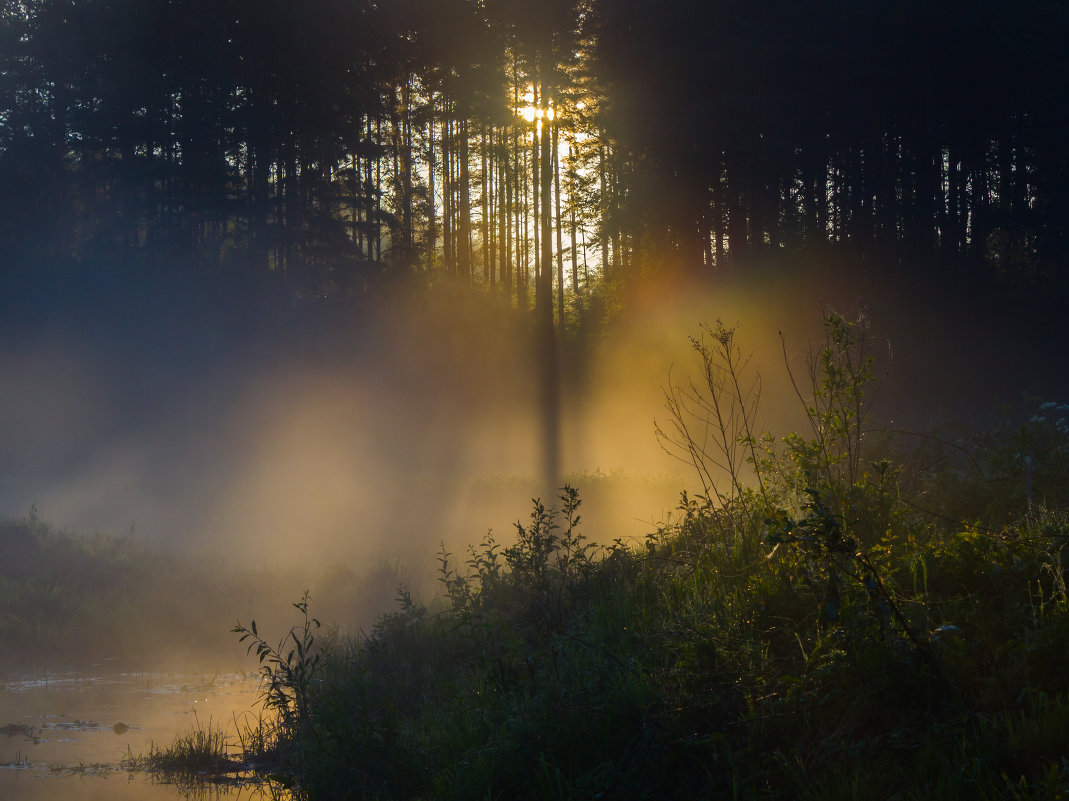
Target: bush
(804,628)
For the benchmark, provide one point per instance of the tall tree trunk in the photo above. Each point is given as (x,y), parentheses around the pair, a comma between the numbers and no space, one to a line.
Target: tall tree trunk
(717,211)
(432,201)
(464,212)
(448,252)
(575,241)
(560,247)
(505,213)
(407,225)
(523,248)
(548,356)
(518,192)
(536,194)
(603,173)
(485,207)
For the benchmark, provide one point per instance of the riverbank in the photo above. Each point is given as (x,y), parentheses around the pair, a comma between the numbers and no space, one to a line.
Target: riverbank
(864,615)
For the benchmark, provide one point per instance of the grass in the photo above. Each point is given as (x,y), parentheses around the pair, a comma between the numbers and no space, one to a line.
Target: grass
(207,753)
(209,761)
(203,749)
(835,617)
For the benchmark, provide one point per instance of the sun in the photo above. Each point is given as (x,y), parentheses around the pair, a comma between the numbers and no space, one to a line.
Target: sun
(530,112)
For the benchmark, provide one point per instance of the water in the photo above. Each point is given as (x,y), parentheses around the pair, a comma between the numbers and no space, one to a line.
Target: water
(63,736)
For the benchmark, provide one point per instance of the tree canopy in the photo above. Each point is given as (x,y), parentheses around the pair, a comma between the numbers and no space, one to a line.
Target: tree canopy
(507,141)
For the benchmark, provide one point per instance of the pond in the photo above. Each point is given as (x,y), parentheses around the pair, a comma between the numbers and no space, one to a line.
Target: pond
(65,735)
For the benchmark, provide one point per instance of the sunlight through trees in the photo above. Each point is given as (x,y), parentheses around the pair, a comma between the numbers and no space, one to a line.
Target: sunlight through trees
(530,146)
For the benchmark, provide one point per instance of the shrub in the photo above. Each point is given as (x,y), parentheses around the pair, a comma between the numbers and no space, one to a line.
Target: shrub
(803,628)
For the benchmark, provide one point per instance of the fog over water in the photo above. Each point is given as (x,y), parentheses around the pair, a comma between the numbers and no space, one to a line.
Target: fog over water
(209,419)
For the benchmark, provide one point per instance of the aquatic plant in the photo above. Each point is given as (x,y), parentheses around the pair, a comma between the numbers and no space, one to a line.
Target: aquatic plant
(203,749)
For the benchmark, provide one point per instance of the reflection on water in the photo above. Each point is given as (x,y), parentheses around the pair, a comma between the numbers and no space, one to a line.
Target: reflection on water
(63,736)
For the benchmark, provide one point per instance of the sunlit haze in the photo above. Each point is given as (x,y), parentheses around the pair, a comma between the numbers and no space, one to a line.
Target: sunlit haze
(383,435)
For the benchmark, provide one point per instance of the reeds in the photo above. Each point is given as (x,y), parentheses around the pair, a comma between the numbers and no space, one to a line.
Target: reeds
(202,750)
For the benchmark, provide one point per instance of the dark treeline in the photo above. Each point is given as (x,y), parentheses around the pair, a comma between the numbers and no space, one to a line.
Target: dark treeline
(905,128)
(335,141)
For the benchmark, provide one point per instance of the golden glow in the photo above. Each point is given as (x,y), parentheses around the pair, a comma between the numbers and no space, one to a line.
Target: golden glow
(531,113)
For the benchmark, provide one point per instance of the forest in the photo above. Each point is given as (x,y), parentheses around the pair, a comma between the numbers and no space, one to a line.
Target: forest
(316,286)
(512,143)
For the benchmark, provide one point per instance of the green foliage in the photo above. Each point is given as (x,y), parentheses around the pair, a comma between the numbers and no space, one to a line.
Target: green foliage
(805,628)
(288,672)
(686,669)
(838,374)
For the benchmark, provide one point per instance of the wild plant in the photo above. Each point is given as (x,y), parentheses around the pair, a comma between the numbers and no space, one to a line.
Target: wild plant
(714,422)
(1046,444)
(1047,533)
(837,401)
(549,558)
(458,586)
(288,670)
(1009,473)
(833,555)
(810,492)
(551,543)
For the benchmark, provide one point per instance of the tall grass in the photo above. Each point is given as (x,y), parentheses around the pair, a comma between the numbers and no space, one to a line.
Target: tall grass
(203,749)
(210,761)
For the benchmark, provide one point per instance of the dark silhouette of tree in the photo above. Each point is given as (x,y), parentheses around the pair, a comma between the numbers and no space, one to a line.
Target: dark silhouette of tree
(900,130)
(334,142)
